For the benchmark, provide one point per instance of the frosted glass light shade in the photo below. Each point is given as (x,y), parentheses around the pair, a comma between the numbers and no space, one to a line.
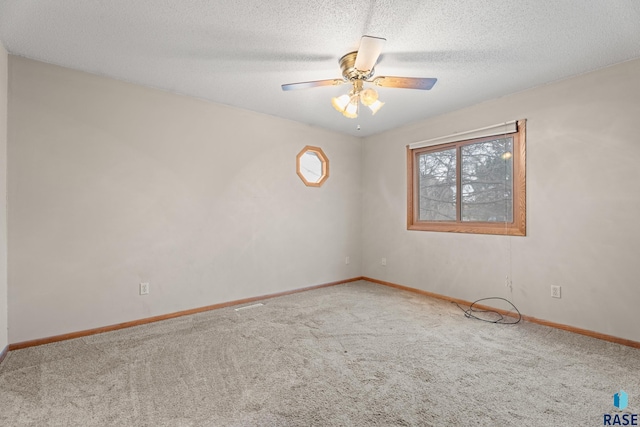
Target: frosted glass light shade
(351,111)
(340,102)
(375,106)
(368,96)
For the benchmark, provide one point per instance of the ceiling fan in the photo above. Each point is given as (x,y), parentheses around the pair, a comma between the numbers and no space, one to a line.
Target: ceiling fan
(358,69)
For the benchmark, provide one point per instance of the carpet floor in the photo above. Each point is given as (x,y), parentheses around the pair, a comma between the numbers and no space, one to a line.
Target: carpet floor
(357,354)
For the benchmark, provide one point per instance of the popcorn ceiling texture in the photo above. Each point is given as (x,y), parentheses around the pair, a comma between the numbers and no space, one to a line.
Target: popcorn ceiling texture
(239,53)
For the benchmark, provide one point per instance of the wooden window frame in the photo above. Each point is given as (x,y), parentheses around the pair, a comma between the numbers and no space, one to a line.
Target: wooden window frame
(515,228)
(323,159)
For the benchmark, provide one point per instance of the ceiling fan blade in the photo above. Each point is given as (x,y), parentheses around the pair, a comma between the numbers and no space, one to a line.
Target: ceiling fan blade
(368,52)
(405,82)
(316,83)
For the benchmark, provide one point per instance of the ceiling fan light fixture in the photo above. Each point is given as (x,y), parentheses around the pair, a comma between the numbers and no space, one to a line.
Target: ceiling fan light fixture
(351,110)
(357,69)
(340,102)
(368,96)
(375,106)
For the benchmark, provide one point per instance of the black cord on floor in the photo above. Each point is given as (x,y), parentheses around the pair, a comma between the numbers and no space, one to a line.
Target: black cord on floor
(471,310)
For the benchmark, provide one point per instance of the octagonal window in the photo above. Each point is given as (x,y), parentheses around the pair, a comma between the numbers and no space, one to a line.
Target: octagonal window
(312,166)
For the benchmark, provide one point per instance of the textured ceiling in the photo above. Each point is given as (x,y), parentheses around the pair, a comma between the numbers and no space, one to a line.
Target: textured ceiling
(240,52)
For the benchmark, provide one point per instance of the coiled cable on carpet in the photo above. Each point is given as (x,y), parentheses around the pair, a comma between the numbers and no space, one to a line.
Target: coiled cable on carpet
(470,312)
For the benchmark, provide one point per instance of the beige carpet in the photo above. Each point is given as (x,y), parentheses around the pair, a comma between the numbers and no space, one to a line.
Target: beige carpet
(357,354)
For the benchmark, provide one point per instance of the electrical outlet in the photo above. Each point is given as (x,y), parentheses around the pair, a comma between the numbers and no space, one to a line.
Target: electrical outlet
(383,261)
(555,291)
(144,288)
(347,260)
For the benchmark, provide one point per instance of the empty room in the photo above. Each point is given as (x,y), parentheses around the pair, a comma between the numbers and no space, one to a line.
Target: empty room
(366,213)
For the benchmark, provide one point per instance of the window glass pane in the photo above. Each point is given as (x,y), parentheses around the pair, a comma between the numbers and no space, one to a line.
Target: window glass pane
(311,167)
(437,186)
(487,181)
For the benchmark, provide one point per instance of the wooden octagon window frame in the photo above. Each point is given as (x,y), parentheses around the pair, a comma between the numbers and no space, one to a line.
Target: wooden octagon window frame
(323,159)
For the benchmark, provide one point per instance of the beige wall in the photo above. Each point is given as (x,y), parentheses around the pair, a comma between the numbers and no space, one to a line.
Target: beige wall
(4,78)
(583,203)
(112,184)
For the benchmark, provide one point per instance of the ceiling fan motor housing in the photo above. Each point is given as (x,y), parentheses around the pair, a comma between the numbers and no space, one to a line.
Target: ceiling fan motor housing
(349,70)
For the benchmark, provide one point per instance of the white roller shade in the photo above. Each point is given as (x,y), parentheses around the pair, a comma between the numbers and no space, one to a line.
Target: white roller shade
(493,130)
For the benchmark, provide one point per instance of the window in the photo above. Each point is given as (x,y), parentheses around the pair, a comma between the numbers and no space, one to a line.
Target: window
(469,186)
(312,166)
